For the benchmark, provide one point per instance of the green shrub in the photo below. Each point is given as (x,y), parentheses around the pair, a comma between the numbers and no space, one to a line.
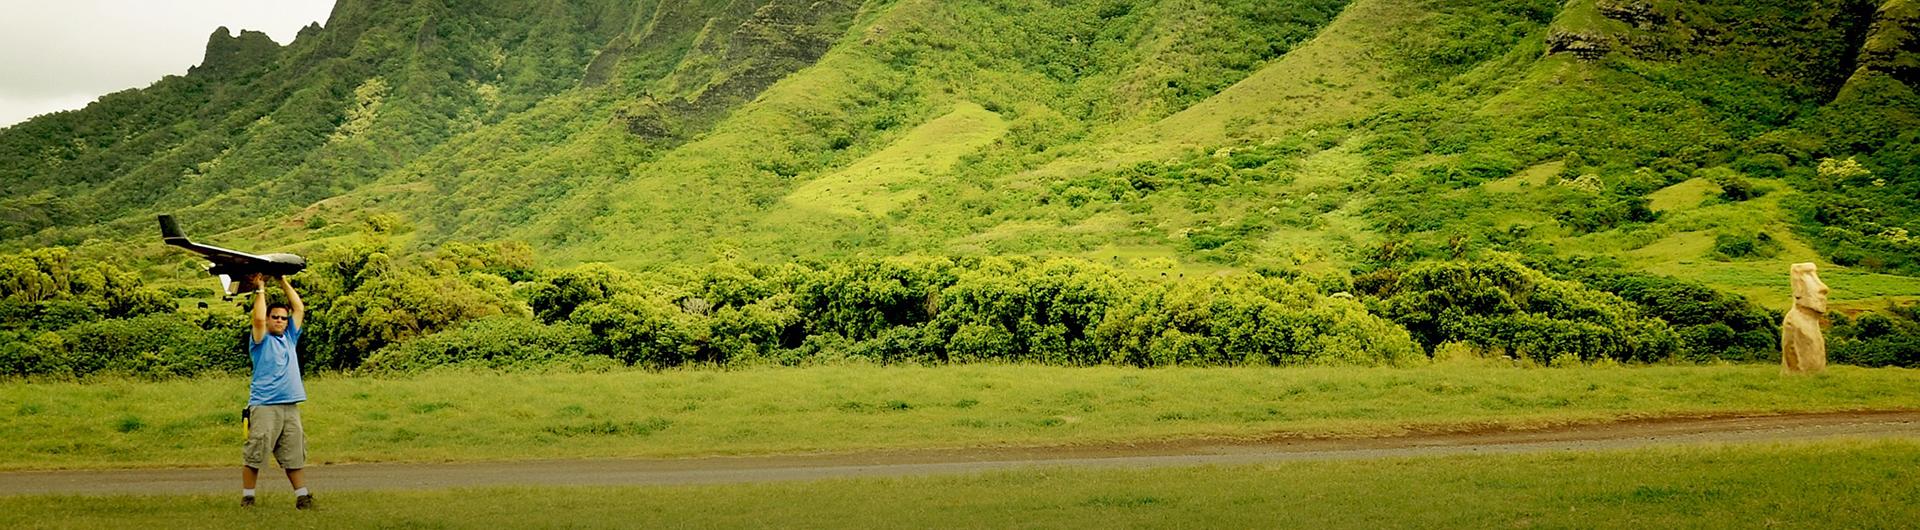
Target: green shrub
(1765,165)
(1899,350)
(1034,311)
(1505,305)
(1877,339)
(859,299)
(555,296)
(47,288)
(396,307)
(757,330)
(921,344)
(1742,245)
(499,342)
(1712,324)
(149,346)
(645,331)
(1607,212)
(31,354)
(1247,320)
(1733,187)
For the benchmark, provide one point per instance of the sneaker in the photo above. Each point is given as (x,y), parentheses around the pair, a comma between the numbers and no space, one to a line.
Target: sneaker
(246,502)
(303,502)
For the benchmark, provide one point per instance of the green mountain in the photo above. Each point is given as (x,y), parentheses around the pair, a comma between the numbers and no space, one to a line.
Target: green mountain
(1712,141)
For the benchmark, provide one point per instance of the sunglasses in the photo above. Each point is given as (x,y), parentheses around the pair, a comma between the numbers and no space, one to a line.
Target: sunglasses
(276,317)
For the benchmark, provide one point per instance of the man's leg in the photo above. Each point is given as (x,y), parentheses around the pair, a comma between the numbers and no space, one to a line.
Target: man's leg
(301,499)
(261,436)
(249,477)
(291,451)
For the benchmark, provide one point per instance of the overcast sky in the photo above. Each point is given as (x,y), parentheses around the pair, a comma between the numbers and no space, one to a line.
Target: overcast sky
(62,54)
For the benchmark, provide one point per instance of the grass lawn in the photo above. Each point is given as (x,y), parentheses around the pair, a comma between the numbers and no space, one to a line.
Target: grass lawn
(489,416)
(1844,484)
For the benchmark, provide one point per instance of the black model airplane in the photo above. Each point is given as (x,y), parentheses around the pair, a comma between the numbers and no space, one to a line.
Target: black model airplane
(234,268)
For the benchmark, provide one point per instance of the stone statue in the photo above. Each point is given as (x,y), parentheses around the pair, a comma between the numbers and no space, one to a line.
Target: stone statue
(1802,347)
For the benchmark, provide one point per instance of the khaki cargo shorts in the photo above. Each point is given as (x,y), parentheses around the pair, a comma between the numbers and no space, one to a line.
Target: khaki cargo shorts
(275,429)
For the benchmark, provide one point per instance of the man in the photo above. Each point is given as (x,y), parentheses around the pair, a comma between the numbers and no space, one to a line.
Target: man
(273,403)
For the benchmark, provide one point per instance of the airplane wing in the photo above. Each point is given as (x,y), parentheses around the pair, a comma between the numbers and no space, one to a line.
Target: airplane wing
(170,234)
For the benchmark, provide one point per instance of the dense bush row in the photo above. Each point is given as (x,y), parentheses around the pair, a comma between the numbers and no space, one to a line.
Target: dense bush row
(486,306)
(1055,311)
(62,316)
(1878,339)
(1519,310)
(1709,323)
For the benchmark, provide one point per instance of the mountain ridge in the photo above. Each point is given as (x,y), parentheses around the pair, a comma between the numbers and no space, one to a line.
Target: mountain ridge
(1323,135)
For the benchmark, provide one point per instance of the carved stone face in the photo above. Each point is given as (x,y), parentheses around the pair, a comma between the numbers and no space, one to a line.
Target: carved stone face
(1808,291)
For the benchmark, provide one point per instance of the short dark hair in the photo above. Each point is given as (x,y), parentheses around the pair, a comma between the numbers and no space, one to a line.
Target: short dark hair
(278,305)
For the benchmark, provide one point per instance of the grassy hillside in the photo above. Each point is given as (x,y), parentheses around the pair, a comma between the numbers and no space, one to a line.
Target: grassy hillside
(650,133)
(1341,142)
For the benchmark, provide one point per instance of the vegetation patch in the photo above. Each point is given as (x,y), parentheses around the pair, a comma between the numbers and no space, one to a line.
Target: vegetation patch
(612,428)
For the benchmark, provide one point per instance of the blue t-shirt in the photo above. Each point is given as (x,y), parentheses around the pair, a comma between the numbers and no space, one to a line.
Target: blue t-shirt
(276,369)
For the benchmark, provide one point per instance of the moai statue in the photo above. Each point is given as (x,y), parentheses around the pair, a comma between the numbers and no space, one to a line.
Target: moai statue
(1802,347)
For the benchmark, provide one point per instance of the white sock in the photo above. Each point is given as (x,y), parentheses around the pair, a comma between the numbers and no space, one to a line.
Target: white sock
(246,492)
(299,492)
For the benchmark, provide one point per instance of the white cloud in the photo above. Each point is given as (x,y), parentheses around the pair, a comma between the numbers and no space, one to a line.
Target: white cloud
(60,55)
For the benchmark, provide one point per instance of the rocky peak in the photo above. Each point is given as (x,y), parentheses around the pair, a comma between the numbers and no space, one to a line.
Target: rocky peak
(228,53)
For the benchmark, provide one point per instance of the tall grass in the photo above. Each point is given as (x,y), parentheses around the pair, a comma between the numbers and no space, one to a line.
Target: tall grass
(1829,484)
(484,416)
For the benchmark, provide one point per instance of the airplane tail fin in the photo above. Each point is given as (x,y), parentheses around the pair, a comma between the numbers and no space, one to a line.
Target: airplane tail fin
(170,230)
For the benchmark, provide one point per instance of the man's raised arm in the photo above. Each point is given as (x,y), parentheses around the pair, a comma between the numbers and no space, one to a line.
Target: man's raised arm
(298,308)
(259,312)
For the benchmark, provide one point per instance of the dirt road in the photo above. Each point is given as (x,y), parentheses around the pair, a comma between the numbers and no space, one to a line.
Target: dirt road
(1607,436)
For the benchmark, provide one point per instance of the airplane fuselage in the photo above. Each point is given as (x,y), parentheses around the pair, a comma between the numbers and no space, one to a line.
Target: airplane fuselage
(275,265)
(234,268)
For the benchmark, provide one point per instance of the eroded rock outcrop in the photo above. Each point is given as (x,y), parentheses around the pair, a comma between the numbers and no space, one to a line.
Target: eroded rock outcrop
(1891,46)
(232,54)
